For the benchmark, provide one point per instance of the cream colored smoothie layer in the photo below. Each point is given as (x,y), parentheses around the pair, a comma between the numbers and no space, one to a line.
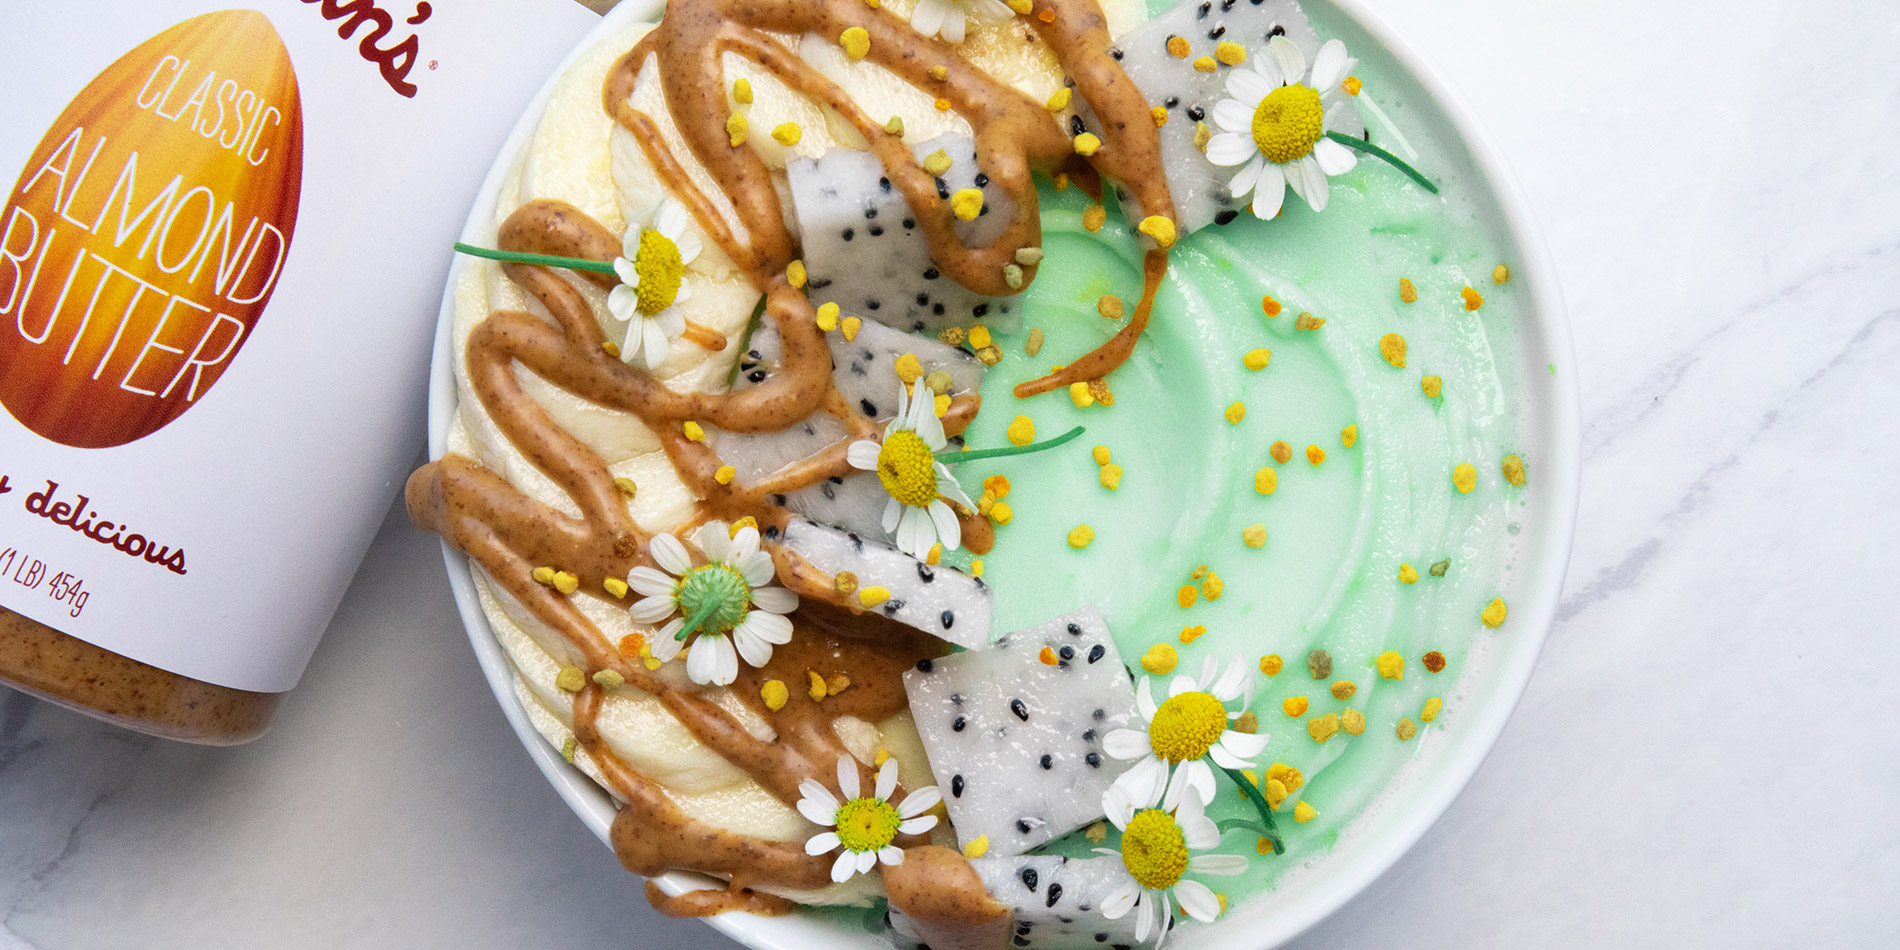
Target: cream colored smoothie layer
(580,156)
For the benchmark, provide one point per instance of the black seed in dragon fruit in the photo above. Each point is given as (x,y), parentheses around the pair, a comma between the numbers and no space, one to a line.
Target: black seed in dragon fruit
(1017,741)
(939,600)
(1057,900)
(864,250)
(1200,187)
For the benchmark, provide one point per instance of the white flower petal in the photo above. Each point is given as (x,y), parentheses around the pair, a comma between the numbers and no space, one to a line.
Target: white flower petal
(775,600)
(1248,86)
(623,301)
(863,454)
(1226,148)
(1329,67)
(689,247)
(1120,901)
(1145,905)
(1317,187)
(1200,778)
(866,861)
(1178,784)
(1243,744)
(1233,115)
(1210,673)
(670,554)
(671,219)
(702,661)
(757,569)
(755,650)
(1226,759)
(662,645)
(1125,744)
(729,662)
(713,542)
(769,628)
(653,344)
(948,487)
(652,609)
(886,780)
(1334,158)
(1199,902)
(917,826)
(745,543)
(649,582)
(1145,699)
(893,510)
(949,531)
(1244,180)
(1269,72)
(953,24)
(990,9)
(1220,865)
(916,533)
(927,17)
(1227,687)
(1118,806)
(1145,781)
(1270,192)
(844,867)
(1288,57)
(816,791)
(848,777)
(919,800)
(1182,683)
(628,274)
(822,842)
(890,855)
(818,812)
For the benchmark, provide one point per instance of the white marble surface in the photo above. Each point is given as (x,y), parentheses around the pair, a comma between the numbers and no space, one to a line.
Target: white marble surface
(1708,755)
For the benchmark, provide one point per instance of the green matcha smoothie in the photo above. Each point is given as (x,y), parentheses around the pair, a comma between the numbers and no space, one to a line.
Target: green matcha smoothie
(1311,553)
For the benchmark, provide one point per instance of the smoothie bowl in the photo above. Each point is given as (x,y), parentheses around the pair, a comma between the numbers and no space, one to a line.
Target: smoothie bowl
(973,474)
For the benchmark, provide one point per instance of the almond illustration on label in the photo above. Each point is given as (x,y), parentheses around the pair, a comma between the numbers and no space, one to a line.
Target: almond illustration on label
(147,231)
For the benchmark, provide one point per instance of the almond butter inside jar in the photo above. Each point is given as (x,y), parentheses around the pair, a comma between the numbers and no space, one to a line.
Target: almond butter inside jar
(44,662)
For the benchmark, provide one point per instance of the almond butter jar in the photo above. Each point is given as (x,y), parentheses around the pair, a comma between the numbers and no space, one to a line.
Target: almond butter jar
(36,659)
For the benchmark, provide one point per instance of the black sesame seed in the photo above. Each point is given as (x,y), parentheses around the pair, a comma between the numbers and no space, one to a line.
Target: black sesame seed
(771,531)
(1226,5)
(1088,735)
(924,573)
(936,309)
(957,724)
(1094,759)
(849,234)
(956,699)
(1099,715)
(956,786)
(835,480)
(943,190)
(872,304)
(931,273)
(1116,53)
(778,499)
(1075,629)
(923,666)
(757,376)
(1067,653)
(876,231)
(1020,941)
(869,407)
(1276,31)
(1022,827)
(1055,894)
(1097,652)
(982,179)
(1226,217)
(1022,712)
(979,310)
(818,283)
(884,183)
(891,607)
(1202,13)
(910,223)
(1029,877)
(923,300)
(1048,762)
(949,618)
(1103,938)
(870,213)
(830,493)
(1197,113)
(1075,125)
(1171,101)
(1216,33)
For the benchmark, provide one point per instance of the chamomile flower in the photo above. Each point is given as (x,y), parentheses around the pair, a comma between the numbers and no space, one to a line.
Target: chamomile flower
(652,268)
(1175,740)
(946,18)
(1157,851)
(865,827)
(729,599)
(1275,125)
(918,514)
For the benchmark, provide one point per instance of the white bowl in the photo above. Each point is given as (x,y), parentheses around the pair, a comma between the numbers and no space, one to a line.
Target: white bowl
(1377,840)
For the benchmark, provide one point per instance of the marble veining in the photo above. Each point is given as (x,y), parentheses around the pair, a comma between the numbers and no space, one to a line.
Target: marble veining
(1707,755)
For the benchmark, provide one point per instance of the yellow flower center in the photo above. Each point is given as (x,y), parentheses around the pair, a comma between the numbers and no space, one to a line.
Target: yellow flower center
(866,824)
(907,469)
(1185,727)
(660,268)
(1154,850)
(1287,123)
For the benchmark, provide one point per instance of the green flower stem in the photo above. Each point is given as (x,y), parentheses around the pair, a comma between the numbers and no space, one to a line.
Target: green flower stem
(519,257)
(980,454)
(1376,152)
(1272,832)
(745,340)
(699,616)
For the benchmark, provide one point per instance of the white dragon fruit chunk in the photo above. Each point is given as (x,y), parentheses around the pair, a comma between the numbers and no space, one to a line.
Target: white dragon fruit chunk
(1058,902)
(865,371)
(1014,734)
(864,251)
(941,601)
(1200,187)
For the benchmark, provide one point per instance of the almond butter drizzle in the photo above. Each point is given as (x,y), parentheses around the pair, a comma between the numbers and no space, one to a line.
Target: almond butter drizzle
(508,533)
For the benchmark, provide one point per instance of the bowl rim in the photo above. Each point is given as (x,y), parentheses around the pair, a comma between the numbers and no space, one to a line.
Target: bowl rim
(1560,474)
